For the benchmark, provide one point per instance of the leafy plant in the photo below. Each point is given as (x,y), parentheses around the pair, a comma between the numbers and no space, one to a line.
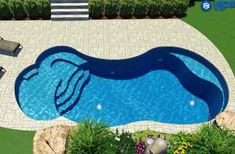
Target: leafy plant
(95,9)
(125,142)
(45,9)
(17,9)
(180,7)
(126,8)
(33,8)
(180,143)
(91,138)
(5,12)
(154,8)
(110,8)
(139,8)
(167,8)
(212,140)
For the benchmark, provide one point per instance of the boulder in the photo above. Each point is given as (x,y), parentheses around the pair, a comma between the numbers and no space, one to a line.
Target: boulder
(51,140)
(226,120)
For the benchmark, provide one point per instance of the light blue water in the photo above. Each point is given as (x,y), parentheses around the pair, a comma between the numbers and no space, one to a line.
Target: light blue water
(61,85)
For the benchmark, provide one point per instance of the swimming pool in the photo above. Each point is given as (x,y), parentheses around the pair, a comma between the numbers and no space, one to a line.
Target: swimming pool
(166,84)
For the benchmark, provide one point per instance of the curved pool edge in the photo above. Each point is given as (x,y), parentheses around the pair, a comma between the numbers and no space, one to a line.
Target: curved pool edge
(223,67)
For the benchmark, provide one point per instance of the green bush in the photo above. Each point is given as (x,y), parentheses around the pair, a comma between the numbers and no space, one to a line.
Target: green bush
(91,138)
(17,9)
(139,8)
(126,144)
(126,8)
(212,140)
(45,9)
(167,8)
(33,8)
(154,8)
(5,12)
(181,7)
(110,8)
(95,9)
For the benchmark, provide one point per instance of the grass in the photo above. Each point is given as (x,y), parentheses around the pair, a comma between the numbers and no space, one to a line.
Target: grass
(218,26)
(16,142)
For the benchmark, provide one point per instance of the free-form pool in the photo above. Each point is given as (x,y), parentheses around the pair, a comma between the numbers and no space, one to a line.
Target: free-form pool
(166,84)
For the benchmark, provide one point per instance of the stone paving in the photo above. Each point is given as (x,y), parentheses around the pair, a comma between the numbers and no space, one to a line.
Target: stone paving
(109,39)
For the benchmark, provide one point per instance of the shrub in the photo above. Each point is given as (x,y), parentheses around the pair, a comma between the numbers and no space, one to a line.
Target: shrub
(95,9)
(154,8)
(17,9)
(139,8)
(110,8)
(126,145)
(33,8)
(126,8)
(167,8)
(180,142)
(45,9)
(180,7)
(5,12)
(211,139)
(91,138)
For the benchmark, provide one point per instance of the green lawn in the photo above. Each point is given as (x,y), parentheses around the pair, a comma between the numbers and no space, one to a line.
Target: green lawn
(16,142)
(218,26)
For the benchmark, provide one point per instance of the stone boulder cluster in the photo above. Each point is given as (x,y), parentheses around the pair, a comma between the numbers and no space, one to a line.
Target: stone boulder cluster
(226,120)
(51,140)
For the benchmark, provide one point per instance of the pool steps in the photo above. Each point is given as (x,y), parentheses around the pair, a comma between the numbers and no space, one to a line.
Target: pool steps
(69,10)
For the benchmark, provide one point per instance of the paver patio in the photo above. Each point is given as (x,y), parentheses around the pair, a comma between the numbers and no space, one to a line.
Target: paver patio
(110,39)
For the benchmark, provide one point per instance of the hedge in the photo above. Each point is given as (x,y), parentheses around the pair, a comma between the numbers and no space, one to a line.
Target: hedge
(45,9)
(126,8)
(29,8)
(95,9)
(110,8)
(34,8)
(138,8)
(154,8)
(17,9)
(5,12)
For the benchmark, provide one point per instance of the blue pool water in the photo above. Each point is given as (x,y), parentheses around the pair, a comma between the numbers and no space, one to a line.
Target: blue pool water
(167,84)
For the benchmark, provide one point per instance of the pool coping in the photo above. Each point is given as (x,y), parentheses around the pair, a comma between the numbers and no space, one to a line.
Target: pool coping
(214,56)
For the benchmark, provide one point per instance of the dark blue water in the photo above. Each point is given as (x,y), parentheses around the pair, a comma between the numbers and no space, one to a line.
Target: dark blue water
(168,84)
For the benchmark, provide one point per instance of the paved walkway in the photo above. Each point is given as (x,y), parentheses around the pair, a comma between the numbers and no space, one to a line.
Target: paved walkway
(112,39)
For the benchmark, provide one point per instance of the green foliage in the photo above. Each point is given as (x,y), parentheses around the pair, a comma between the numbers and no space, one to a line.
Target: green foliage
(91,138)
(17,9)
(95,9)
(110,8)
(5,12)
(167,8)
(45,9)
(33,8)
(139,8)
(212,140)
(126,8)
(154,8)
(125,142)
(180,141)
(180,7)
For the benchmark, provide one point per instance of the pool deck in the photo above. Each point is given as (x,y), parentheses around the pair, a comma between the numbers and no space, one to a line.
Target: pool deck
(109,39)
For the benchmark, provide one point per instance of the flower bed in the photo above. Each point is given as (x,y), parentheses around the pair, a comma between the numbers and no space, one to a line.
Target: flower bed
(137,8)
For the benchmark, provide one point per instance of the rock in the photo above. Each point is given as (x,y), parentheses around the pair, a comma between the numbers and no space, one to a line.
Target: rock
(51,140)
(226,120)
(159,146)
